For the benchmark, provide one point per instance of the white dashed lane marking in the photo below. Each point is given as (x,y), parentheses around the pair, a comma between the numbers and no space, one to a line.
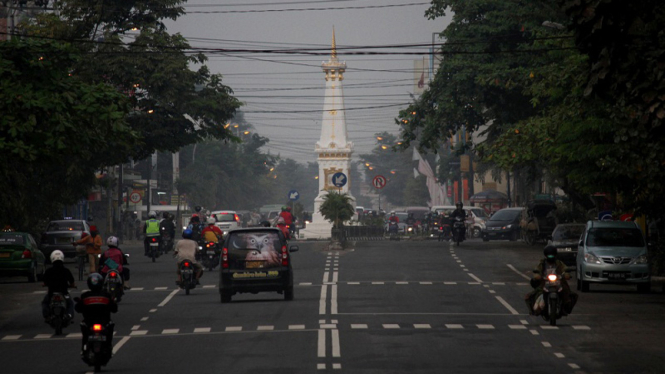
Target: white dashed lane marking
(323,325)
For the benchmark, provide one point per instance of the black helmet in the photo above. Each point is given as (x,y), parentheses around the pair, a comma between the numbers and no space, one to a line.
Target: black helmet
(95,282)
(550,253)
(459,204)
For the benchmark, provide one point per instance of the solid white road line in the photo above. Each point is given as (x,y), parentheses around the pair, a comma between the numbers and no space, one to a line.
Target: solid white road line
(322,343)
(333,299)
(505,303)
(335,277)
(335,343)
(168,298)
(322,301)
(325,277)
(511,267)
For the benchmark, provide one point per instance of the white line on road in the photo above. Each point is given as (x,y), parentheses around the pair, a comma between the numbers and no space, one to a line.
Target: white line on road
(322,301)
(333,299)
(475,278)
(505,303)
(325,277)
(518,272)
(335,343)
(322,343)
(547,345)
(335,277)
(168,298)
(202,329)
(559,355)
(120,344)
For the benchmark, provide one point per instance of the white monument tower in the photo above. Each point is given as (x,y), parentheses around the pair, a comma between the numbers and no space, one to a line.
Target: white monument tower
(333,149)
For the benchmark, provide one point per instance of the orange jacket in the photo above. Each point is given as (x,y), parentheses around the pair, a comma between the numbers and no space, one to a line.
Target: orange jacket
(96,248)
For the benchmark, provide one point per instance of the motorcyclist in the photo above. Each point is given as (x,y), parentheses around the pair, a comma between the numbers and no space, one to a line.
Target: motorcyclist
(185,249)
(167,226)
(113,258)
(212,233)
(393,217)
(393,222)
(281,224)
(196,227)
(151,230)
(538,282)
(459,212)
(58,279)
(288,217)
(96,306)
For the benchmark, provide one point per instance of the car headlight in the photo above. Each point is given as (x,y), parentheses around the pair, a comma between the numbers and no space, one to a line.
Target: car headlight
(509,227)
(591,258)
(641,260)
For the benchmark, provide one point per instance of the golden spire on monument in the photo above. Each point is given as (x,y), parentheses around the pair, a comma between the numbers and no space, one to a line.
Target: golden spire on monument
(334,46)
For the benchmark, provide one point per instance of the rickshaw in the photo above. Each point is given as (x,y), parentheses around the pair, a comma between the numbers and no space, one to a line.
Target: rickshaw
(538,221)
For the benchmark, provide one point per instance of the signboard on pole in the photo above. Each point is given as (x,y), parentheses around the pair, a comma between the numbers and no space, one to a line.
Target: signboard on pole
(339,180)
(379,181)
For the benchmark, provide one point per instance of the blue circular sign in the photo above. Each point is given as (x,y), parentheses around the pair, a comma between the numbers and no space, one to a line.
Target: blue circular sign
(339,180)
(294,195)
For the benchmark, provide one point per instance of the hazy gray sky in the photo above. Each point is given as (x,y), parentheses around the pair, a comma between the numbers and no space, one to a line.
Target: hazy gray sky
(283,94)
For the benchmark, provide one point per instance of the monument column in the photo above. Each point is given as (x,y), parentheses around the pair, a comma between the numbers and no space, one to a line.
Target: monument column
(333,148)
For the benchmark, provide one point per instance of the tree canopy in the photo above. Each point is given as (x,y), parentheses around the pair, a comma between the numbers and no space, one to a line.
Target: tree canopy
(571,89)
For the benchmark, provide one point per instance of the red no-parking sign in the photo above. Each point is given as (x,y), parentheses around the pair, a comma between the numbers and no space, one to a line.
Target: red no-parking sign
(379,181)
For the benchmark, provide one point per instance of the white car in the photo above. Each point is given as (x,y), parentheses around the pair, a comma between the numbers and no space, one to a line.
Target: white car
(226,220)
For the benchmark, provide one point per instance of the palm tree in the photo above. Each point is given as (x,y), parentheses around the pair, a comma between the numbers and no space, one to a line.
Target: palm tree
(337,208)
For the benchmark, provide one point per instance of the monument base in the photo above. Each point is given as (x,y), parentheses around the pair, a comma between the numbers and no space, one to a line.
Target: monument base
(319,228)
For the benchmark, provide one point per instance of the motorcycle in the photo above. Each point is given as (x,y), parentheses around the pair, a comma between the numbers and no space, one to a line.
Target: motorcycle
(393,228)
(113,285)
(552,297)
(58,317)
(458,230)
(96,350)
(210,258)
(167,242)
(153,248)
(187,275)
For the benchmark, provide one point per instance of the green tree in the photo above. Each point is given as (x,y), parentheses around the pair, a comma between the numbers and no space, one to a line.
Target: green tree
(416,192)
(336,208)
(56,130)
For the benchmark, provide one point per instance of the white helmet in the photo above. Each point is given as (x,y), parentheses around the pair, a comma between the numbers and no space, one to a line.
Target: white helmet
(211,220)
(57,255)
(152,214)
(112,241)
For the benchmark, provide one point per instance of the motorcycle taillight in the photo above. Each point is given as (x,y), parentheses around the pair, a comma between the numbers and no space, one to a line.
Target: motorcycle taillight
(97,327)
(186,264)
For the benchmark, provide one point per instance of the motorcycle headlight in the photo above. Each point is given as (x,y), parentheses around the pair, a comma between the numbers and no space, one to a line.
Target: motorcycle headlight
(591,258)
(639,260)
(508,227)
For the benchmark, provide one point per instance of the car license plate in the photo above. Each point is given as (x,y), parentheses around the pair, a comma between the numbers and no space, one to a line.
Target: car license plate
(616,275)
(97,338)
(491,233)
(64,240)
(211,252)
(6,254)
(253,264)
(154,244)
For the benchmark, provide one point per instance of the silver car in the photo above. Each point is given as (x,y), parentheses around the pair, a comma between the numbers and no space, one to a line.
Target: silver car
(613,252)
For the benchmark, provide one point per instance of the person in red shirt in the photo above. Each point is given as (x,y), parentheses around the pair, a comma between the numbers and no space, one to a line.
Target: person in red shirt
(212,233)
(282,226)
(286,214)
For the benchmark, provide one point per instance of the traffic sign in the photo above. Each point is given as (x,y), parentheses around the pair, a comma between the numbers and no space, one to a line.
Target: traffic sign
(379,181)
(339,180)
(294,195)
(135,197)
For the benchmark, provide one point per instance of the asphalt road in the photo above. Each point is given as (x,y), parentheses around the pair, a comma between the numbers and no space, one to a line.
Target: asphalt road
(376,307)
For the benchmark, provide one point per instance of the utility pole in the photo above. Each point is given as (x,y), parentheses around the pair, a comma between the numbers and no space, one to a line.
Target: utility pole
(118,225)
